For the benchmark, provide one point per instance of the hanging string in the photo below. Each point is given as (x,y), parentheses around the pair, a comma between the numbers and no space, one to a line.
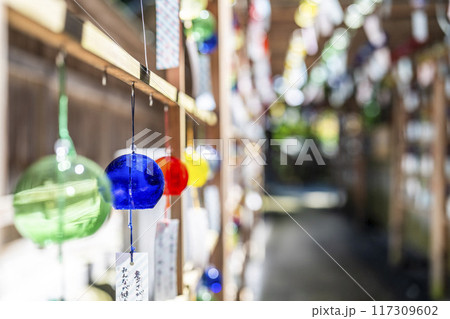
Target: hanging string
(130,226)
(150,98)
(166,129)
(167,208)
(133,102)
(143,32)
(190,134)
(168,151)
(63,103)
(63,135)
(195,197)
(190,144)
(130,167)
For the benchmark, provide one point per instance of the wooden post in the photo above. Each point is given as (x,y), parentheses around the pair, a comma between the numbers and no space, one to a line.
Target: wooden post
(213,132)
(396,205)
(3,102)
(225,51)
(438,222)
(360,188)
(177,130)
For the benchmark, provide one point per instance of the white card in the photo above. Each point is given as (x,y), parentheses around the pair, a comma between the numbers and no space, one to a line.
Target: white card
(187,203)
(419,21)
(212,205)
(197,229)
(131,280)
(166,245)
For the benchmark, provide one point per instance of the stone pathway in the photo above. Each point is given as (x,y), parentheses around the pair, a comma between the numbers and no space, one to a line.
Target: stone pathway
(296,268)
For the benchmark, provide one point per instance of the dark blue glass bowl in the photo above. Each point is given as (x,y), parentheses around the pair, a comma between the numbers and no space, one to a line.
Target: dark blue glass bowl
(147,182)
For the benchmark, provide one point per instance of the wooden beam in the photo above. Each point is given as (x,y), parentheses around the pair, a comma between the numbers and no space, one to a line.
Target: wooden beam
(404,10)
(225,57)
(53,24)
(125,30)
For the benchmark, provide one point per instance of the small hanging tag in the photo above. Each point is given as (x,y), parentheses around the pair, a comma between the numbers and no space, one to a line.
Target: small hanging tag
(196,227)
(310,40)
(374,31)
(212,205)
(132,279)
(204,97)
(166,245)
(419,20)
(194,62)
(167,34)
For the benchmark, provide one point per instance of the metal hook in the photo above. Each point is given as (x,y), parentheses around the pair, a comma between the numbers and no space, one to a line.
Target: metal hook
(150,99)
(60,57)
(104,77)
(132,89)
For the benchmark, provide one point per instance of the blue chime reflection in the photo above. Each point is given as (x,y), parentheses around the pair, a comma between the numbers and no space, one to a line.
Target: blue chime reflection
(137,181)
(212,279)
(209,45)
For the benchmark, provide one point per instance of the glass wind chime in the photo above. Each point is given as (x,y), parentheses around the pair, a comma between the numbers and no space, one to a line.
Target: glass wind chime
(65,195)
(62,196)
(137,181)
(175,172)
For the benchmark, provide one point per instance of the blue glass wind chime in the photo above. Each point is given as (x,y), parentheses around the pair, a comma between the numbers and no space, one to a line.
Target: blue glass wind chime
(137,181)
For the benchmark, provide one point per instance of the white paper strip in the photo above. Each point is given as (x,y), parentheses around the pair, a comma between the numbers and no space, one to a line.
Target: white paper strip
(204,97)
(419,21)
(197,229)
(212,205)
(146,221)
(132,280)
(166,245)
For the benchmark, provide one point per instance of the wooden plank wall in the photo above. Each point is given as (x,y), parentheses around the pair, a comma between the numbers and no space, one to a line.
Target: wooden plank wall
(99,117)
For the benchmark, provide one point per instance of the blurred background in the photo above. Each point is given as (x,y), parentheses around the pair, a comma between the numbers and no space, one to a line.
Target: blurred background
(345,102)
